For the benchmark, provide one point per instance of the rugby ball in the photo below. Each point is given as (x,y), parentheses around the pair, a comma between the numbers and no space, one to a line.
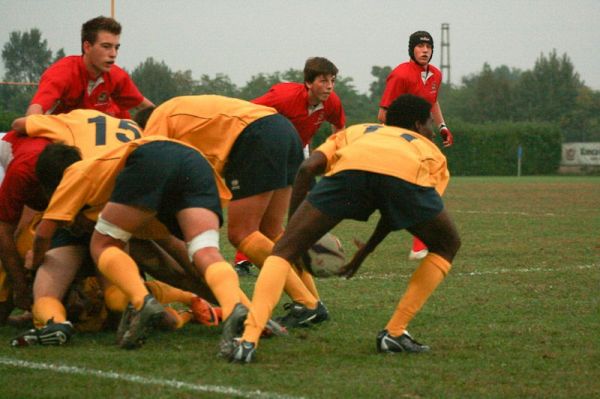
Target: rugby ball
(326,257)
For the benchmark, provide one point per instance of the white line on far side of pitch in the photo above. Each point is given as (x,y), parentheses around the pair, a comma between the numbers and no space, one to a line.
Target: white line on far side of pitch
(369,276)
(513,213)
(168,383)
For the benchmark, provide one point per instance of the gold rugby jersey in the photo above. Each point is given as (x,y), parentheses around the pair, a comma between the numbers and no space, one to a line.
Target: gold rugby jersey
(87,185)
(93,132)
(387,150)
(210,123)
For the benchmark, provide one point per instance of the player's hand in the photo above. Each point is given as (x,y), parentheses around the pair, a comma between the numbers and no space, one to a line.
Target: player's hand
(352,267)
(301,264)
(28,263)
(447,138)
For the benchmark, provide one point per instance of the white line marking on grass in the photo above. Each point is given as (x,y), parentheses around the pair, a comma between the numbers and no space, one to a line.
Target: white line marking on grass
(549,214)
(529,270)
(370,276)
(229,391)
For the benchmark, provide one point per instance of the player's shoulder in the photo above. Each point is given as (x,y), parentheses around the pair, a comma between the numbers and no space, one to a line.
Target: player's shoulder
(333,99)
(289,85)
(84,117)
(63,68)
(84,113)
(289,88)
(404,66)
(355,131)
(118,72)
(283,96)
(402,71)
(434,69)
(67,61)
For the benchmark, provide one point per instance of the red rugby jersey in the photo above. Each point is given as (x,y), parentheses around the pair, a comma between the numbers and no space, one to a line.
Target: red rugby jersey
(291,100)
(66,85)
(20,186)
(407,78)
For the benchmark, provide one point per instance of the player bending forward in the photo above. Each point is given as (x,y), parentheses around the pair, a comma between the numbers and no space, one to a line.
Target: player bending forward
(393,168)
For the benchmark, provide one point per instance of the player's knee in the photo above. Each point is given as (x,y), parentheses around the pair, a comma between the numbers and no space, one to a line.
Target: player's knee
(452,242)
(446,244)
(207,240)
(236,236)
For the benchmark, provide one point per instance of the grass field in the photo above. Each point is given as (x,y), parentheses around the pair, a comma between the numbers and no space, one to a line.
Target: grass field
(517,317)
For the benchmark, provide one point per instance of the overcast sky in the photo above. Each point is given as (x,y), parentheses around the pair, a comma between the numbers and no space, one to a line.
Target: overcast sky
(241,38)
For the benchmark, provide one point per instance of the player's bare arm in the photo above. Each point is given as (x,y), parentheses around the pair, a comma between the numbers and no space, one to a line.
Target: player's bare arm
(34,109)
(18,125)
(42,241)
(177,249)
(381,115)
(144,104)
(11,261)
(381,231)
(438,118)
(311,167)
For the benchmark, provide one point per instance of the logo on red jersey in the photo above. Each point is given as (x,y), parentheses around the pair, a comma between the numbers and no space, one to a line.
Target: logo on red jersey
(103,98)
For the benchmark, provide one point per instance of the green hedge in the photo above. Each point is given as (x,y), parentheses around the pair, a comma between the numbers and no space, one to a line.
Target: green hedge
(6,118)
(491,149)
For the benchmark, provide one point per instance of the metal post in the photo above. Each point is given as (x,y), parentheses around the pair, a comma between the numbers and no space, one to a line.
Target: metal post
(445,52)
(519,156)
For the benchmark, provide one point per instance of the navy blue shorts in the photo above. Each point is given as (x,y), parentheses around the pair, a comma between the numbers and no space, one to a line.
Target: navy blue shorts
(356,194)
(167,177)
(265,157)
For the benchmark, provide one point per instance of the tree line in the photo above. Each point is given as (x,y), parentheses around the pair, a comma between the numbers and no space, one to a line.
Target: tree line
(550,92)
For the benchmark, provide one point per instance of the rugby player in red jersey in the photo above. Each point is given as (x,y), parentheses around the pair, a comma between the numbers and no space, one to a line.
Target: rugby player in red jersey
(417,76)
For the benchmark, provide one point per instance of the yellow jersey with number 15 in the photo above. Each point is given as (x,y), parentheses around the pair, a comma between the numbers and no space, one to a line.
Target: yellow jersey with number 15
(93,132)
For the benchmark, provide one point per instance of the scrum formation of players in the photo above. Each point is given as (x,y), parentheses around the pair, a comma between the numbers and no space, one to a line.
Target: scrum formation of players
(106,221)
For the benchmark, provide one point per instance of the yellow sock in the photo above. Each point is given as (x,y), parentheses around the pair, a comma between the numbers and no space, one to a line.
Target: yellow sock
(121,270)
(46,308)
(424,281)
(225,285)
(267,292)
(115,299)
(244,299)
(306,277)
(164,293)
(257,247)
(309,283)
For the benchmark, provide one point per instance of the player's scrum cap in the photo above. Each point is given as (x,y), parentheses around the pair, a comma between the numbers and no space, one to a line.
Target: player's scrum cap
(417,38)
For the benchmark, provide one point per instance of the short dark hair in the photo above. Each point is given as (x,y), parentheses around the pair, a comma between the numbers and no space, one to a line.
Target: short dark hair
(406,110)
(90,29)
(51,165)
(316,66)
(141,117)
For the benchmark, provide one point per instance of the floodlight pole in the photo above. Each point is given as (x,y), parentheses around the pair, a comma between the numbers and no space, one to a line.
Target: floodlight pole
(112,9)
(519,156)
(445,52)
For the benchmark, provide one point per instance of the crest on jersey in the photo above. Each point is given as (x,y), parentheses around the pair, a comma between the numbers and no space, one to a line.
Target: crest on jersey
(103,97)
